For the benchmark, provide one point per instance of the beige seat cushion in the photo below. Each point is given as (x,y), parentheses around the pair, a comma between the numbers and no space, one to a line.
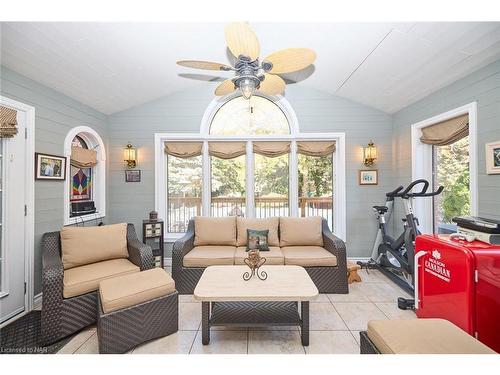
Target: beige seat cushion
(87,245)
(85,279)
(301,231)
(273,257)
(215,231)
(308,256)
(271,223)
(423,336)
(135,288)
(204,256)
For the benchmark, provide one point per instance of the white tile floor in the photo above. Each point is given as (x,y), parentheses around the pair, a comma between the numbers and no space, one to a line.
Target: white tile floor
(335,324)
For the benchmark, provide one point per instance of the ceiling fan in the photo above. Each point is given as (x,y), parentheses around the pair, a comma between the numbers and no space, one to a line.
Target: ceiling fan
(250,73)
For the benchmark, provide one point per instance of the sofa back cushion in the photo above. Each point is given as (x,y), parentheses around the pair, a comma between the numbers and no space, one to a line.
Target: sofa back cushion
(270,224)
(301,231)
(86,245)
(215,231)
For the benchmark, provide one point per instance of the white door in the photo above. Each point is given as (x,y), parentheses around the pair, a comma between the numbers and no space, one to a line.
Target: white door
(13,192)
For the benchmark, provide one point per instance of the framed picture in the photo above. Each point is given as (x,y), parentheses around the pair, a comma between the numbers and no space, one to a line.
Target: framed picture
(493,158)
(50,167)
(133,176)
(368,177)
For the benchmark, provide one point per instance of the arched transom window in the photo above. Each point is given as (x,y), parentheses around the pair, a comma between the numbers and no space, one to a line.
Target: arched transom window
(255,116)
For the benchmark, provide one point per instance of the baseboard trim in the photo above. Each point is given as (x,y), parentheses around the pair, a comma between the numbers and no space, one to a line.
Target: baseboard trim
(358,259)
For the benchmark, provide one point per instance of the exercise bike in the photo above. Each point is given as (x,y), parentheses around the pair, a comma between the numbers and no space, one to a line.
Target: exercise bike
(394,257)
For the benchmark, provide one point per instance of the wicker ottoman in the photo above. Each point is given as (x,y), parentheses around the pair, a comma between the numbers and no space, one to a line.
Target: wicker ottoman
(418,336)
(135,308)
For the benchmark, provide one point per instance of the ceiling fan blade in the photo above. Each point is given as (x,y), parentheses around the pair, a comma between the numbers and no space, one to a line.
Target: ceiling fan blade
(207,65)
(241,40)
(291,59)
(225,88)
(272,85)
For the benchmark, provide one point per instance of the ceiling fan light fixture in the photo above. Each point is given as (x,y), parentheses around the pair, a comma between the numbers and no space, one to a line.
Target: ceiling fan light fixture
(247,87)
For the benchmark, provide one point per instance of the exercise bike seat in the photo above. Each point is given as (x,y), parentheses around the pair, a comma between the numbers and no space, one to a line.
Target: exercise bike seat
(381,209)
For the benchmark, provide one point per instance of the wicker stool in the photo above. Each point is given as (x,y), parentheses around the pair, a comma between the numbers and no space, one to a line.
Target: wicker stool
(136,308)
(352,272)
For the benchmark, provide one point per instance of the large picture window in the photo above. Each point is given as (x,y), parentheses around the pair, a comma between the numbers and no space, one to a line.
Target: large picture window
(250,160)
(184,191)
(316,186)
(228,187)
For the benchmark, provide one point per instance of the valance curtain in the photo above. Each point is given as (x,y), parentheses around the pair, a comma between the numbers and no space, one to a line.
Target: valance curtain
(446,132)
(8,122)
(271,149)
(184,150)
(83,158)
(316,148)
(226,150)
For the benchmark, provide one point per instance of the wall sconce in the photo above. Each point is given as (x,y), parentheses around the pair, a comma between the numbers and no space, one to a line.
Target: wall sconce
(130,156)
(369,154)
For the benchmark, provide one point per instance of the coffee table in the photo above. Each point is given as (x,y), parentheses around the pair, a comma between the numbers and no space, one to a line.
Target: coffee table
(226,299)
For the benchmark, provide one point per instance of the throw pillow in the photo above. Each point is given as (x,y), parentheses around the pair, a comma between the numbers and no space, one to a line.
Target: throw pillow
(257,239)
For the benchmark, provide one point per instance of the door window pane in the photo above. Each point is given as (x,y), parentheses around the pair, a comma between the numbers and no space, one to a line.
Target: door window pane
(228,186)
(451,170)
(271,186)
(316,186)
(184,182)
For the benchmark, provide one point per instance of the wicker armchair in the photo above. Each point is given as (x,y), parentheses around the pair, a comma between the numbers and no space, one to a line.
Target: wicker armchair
(326,279)
(64,316)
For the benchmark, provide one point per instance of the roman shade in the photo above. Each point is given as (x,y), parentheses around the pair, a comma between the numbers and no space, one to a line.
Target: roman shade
(446,132)
(226,150)
(8,122)
(271,149)
(184,150)
(316,148)
(83,158)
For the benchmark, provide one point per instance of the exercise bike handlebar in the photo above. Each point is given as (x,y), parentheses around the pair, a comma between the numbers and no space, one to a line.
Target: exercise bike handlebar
(406,193)
(431,194)
(394,193)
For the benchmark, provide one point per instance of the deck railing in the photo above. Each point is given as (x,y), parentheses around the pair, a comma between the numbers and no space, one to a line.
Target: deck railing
(181,209)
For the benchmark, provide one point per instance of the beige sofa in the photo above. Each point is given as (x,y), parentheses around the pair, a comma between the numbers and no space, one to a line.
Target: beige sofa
(307,242)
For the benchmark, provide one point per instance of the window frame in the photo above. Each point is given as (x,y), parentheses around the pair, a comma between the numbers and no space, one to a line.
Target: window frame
(339,199)
(422,162)
(94,141)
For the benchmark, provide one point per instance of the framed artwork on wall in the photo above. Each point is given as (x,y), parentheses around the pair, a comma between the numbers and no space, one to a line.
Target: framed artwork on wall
(368,177)
(133,176)
(50,167)
(493,157)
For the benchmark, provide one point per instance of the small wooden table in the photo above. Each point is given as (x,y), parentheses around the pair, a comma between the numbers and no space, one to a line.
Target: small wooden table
(226,299)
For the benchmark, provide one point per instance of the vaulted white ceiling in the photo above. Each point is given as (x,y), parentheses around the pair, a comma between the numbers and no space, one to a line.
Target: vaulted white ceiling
(115,66)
